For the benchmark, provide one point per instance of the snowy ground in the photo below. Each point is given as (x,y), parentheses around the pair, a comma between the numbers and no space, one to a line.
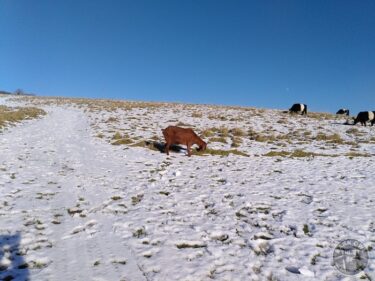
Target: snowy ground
(75,207)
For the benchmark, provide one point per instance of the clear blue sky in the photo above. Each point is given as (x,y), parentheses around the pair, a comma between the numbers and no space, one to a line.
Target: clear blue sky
(257,53)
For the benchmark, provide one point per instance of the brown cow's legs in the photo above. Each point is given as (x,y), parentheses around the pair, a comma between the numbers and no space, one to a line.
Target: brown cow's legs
(188,150)
(167,145)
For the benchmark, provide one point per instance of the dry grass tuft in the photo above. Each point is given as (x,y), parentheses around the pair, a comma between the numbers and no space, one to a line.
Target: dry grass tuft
(321,115)
(197,115)
(147,144)
(123,141)
(218,139)
(117,136)
(219,152)
(182,124)
(223,132)
(300,153)
(334,138)
(237,132)
(10,116)
(236,141)
(111,120)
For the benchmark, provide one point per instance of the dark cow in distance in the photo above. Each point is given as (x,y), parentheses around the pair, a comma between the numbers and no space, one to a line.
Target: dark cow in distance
(184,136)
(299,108)
(365,116)
(343,111)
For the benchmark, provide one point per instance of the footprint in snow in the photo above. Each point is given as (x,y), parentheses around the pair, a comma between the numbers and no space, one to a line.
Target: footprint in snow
(88,227)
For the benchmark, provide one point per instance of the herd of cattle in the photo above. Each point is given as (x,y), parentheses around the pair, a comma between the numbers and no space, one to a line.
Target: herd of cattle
(186,136)
(363,117)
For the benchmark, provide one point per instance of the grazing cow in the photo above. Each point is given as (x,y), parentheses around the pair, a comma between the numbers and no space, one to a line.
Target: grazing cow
(298,108)
(177,135)
(365,116)
(343,111)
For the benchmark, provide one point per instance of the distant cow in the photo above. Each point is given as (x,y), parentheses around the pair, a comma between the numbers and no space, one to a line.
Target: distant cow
(298,108)
(177,135)
(343,111)
(365,116)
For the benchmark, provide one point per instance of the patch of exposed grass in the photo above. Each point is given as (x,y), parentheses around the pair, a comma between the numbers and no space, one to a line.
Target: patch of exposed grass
(197,115)
(182,124)
(237,132)
(282,121)
(301,153)
(122,141)
(219,152)
(353,131)
(208,133)
(218,117)
(10,116)
(146,144)
(236,119)
(295,153)
(218,139)
(236,141)
(314,259)
(140,232)
(277,153)
(111,120)
(117,136)
(253,135)
(357,154)
(137,199)
(183,245)
(334,138)
(321,115)
(223,132)
(306,230)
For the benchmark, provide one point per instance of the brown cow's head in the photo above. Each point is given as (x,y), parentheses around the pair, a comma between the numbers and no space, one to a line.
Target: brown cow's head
(202,146)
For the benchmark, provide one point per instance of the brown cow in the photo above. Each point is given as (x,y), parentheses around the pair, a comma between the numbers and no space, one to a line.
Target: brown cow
(177,135)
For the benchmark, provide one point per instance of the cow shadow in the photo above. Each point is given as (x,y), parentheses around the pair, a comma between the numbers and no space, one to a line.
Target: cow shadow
(14,267)
(160,146)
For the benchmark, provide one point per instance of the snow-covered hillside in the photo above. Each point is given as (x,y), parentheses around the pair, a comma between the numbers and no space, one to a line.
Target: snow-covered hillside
(73,206)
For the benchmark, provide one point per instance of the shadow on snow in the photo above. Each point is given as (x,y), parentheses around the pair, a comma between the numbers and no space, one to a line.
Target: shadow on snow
(12,263)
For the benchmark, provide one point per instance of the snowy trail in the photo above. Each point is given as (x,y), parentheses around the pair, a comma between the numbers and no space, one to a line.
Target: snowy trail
(52,163)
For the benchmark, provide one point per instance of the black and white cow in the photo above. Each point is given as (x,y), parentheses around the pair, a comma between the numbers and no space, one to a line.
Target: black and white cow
(298,108)
(343,111)
(365,116)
